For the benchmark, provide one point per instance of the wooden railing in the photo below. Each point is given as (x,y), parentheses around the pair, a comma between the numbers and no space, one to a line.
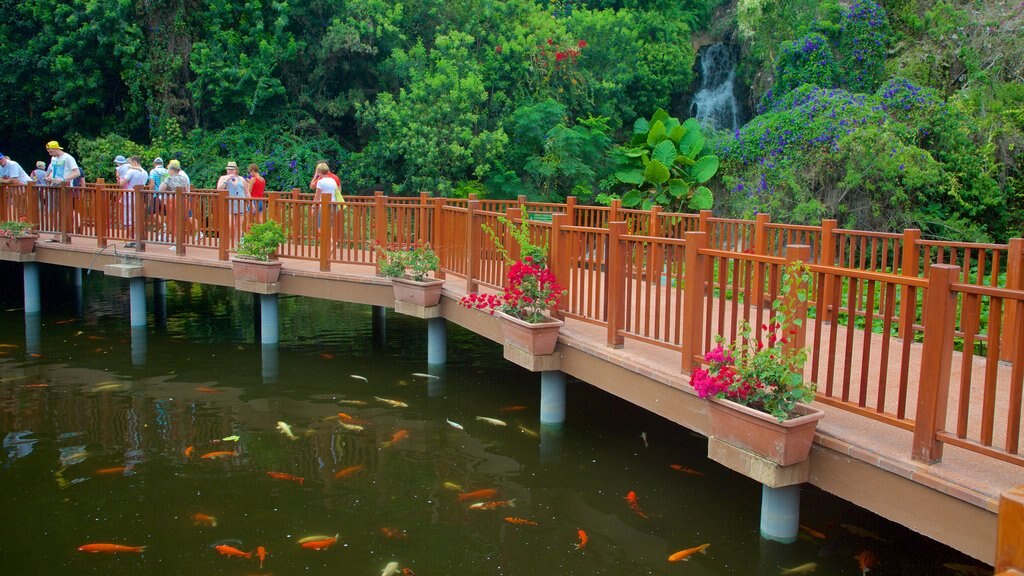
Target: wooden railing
(918,334)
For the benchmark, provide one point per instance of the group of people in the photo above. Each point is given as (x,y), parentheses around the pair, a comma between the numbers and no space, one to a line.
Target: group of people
(62,168)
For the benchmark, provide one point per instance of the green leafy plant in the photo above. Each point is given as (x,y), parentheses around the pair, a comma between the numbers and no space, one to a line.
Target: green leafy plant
(765,375)
(260,241)
(15,228)
(413,263)
(536,253)
(667,163)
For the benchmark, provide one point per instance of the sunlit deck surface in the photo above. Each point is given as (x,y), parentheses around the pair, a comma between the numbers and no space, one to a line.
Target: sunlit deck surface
(854,457)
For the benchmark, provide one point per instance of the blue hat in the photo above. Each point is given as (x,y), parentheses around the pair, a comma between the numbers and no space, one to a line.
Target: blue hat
(120,160)
(2,155)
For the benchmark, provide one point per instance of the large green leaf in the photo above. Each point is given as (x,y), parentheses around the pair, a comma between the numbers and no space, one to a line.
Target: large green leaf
(702,199)
(692,134)
(696,145)
(641,126)
(631,176)
(705,168)
(677,188)
(657,134)
(659,115)
(638,139)
(665,152)
(676,134)
(633,152)
(656,172)
(631,198)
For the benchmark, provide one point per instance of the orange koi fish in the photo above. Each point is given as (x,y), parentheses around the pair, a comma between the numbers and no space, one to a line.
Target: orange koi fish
(93,337)
(492,505)
(689,471)
(322,544)
(512,409)
(812,532)
(189,450)
(327,356)
(477,495)
(520,521)
(232,552)
(114,470)
(103,548)
(583,539)
(394,533)
(396,437)
(218,454)
(408,572)
(865,561)
(345,417)
(261,553)
(346,472)
(684,555)
(200,519)
(208,390)
(286,476)
(634,504)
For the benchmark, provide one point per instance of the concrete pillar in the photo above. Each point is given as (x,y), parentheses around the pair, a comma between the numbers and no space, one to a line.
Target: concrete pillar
(76,279)
(137,294)
(33,334)
(552,397)
(268,319)
(138,345)
(160,302)
(379,315)
(780,513)
(269,362)
(33,301)
(437,341)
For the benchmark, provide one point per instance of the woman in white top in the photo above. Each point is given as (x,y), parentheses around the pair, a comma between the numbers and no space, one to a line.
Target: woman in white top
(323,183)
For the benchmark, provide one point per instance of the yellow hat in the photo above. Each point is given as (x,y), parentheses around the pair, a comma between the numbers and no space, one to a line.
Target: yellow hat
(53,144)
(174,165)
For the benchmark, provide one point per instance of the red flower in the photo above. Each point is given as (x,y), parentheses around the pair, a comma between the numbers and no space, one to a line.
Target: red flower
(582,44)
(550,42)
(497,49)
(559,56)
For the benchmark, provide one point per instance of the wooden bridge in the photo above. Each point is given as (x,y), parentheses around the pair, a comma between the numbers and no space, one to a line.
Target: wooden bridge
(917,346)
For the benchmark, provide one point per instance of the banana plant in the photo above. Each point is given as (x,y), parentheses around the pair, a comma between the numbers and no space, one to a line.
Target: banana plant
(667,164)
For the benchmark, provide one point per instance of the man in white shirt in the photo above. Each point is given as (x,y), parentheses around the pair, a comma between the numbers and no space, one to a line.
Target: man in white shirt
(11,172)
(63,167)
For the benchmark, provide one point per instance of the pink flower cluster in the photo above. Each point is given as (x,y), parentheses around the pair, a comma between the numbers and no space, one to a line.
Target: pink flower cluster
(531,291)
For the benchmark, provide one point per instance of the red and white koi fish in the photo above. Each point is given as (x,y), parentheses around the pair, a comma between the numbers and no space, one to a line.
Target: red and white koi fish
(684,555)
(634,504)
(261,553)
(492,505)
(322,544)
(865,561)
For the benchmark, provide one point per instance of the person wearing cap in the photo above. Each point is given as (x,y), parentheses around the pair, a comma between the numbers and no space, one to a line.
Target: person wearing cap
(121,164)
(235,185)
(11,172)
(39,174)
(63,167)
(176,179)
(157,174)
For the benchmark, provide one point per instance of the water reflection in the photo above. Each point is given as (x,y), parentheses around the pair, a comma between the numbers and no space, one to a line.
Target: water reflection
(115,451)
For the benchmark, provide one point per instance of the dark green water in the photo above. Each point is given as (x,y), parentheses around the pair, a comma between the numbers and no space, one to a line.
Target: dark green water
(80,405)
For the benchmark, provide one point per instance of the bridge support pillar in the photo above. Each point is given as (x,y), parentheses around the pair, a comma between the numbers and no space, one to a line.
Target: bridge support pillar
(33,300)
(269,363)
(137,296)
(380,316)
(76,279)
(160,302)
(138,345)
(268,319)
(437,341)
(33,333)
(780,513)
(552,397)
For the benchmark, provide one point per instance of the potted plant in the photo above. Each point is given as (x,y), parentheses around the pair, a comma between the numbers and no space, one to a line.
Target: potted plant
(253,261)
(758,397)
(408,271)
(17,236)
(531,293)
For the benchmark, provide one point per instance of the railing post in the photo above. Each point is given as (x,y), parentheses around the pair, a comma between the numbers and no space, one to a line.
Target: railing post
(570,209)
(422,222)
(827,252)
(693,300)
(296,214)
(380,220)
(1010,534)
(909,264)
(102,208)
(65,212)
(31,206)
(937,352)
(179,221)
(472,246)
(559,255)
(325,241)
(613,212)
(139,217)
(760,248)
(704,223)
(515,251)
(223,220)
(655,262)
(797,307)
(1014,309)
(521,202)
(615,280)
(437,238)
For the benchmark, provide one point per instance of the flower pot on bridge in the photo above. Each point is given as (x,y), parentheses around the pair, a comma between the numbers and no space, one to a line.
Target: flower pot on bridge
(784,443)
(261,271)
(537,339)
(22,244)
(426,293)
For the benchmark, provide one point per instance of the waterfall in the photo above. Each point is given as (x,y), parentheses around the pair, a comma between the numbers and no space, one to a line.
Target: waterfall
(715,103)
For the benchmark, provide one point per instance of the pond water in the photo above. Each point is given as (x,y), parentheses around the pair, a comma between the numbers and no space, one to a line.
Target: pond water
(173,449)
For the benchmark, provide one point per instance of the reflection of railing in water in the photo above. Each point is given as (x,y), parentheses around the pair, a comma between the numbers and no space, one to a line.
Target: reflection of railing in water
(633,272)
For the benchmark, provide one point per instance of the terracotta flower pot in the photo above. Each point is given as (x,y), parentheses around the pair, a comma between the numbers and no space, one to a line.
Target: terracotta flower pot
(256,270)
(784,443)
(426,293)
(536,339)
(24,244)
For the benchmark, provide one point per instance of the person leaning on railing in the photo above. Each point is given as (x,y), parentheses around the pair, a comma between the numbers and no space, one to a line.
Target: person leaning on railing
(176,179)
(11,172)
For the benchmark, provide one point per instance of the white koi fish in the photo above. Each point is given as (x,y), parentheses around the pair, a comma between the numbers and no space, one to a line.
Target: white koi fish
(801,569)
(286,430)
(392,403)
(358,377)
(455,425)
(427,376)
(352,427)
(391,569)
(492,421)
(352,402)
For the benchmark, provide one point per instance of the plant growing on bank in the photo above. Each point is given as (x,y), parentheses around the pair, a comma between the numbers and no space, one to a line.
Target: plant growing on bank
(764,375)
(260,241)
(15,228)
(413,263)
(667,164)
